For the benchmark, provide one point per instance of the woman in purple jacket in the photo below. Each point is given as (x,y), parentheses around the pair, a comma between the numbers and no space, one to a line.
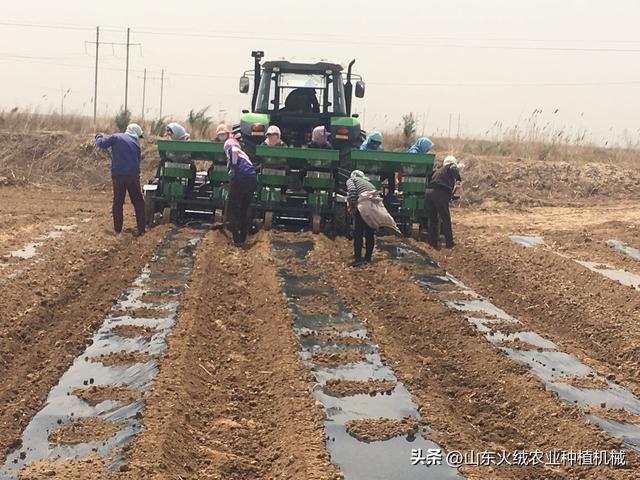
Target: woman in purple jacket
(242,186)
(125,173)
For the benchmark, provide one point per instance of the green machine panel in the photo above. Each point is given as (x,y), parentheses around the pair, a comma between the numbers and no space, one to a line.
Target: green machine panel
(297,157)
(370,161)
(192,150)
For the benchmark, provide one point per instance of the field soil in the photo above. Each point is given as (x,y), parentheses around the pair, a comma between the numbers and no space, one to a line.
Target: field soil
(233,400)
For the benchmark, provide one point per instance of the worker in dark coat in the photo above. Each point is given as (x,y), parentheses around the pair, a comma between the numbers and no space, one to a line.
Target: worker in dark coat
(437,197)
(242,186)
(125,173)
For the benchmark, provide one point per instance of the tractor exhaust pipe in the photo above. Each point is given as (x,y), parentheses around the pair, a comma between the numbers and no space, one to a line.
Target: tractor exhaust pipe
(257,56)
(348,88)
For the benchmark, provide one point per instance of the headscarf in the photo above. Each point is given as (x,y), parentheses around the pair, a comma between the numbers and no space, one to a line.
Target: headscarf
(320,135)
(373,136)
(179,133)
(422,145)
(222,128)
(358,174)
(273,131)
(134,130)
(453,161)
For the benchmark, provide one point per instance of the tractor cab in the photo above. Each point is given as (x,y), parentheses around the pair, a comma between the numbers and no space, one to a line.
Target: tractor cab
(298,97)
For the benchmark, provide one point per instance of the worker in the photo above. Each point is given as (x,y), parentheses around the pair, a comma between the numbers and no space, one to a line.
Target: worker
(242,185)
(358,184)
(302,100)
(273,137)
(175,131)
(320,138)
(372,142)
(437,197)
(422,145)
(223,133)
(125,173)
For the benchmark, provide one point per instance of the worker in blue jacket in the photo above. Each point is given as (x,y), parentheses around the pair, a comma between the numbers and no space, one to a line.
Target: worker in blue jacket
(372,142)
(125,173)
(422,145)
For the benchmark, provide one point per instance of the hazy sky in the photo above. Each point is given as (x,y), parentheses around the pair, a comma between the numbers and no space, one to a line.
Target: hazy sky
(477,61)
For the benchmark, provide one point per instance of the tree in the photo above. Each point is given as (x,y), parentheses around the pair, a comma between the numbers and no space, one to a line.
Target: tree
(199,122)
(408,125)
(122,119)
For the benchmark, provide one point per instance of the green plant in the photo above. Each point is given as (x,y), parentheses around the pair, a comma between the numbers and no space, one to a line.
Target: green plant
(199,122)
(122,119)
(157,127)
(408,126)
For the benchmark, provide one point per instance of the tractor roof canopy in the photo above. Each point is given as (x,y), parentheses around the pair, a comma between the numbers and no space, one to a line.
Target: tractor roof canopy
(291,67)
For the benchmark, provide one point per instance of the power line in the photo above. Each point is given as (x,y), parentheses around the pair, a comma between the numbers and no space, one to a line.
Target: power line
(386,84)
(113,28)
(323,39)
(388,44)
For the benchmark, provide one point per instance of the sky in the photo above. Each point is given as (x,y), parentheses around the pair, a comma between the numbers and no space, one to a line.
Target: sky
(462,67)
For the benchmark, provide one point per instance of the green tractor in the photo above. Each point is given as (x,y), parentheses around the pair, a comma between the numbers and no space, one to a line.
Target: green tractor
(297,185)
(298,97)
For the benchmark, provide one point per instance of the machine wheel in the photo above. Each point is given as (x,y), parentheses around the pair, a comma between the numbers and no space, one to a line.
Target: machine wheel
(166,216)
(149,209)
(315,223)
(415,231)
(268,220)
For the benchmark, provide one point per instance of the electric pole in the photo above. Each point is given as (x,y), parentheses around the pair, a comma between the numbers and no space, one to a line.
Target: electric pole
(126,78)
(63,95)
(161,90)
(144,90)
(126,85)
(95,87)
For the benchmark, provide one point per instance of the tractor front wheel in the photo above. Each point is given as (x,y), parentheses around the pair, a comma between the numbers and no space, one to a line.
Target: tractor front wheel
(315,223)
(415,231)
(166,216)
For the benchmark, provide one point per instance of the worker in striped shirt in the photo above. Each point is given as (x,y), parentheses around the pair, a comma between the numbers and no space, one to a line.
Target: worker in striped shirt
(357,184)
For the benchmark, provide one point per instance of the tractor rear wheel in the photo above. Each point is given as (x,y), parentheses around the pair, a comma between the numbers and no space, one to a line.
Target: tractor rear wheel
(268,220)
(149,209)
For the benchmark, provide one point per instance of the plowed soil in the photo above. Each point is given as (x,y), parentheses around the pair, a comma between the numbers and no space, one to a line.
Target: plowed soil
(233,399)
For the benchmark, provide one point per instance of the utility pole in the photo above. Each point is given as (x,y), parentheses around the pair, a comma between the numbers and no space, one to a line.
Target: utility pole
(449,135)
(161,90)
(144,90)
(95,87)
(126,78)
(63,95)
(458,134)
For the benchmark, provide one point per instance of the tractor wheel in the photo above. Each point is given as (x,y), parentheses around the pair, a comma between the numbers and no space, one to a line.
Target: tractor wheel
(315,223)
(268,220)
(166,216)
(415,231)
(149,209)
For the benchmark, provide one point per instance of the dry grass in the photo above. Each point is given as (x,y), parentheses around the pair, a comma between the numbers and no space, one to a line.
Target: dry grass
(464,148)
(28,121)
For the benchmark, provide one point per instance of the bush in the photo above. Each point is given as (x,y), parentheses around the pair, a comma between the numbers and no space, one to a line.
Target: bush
(199,122)
(158,127)
(408,126)
(122,119)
